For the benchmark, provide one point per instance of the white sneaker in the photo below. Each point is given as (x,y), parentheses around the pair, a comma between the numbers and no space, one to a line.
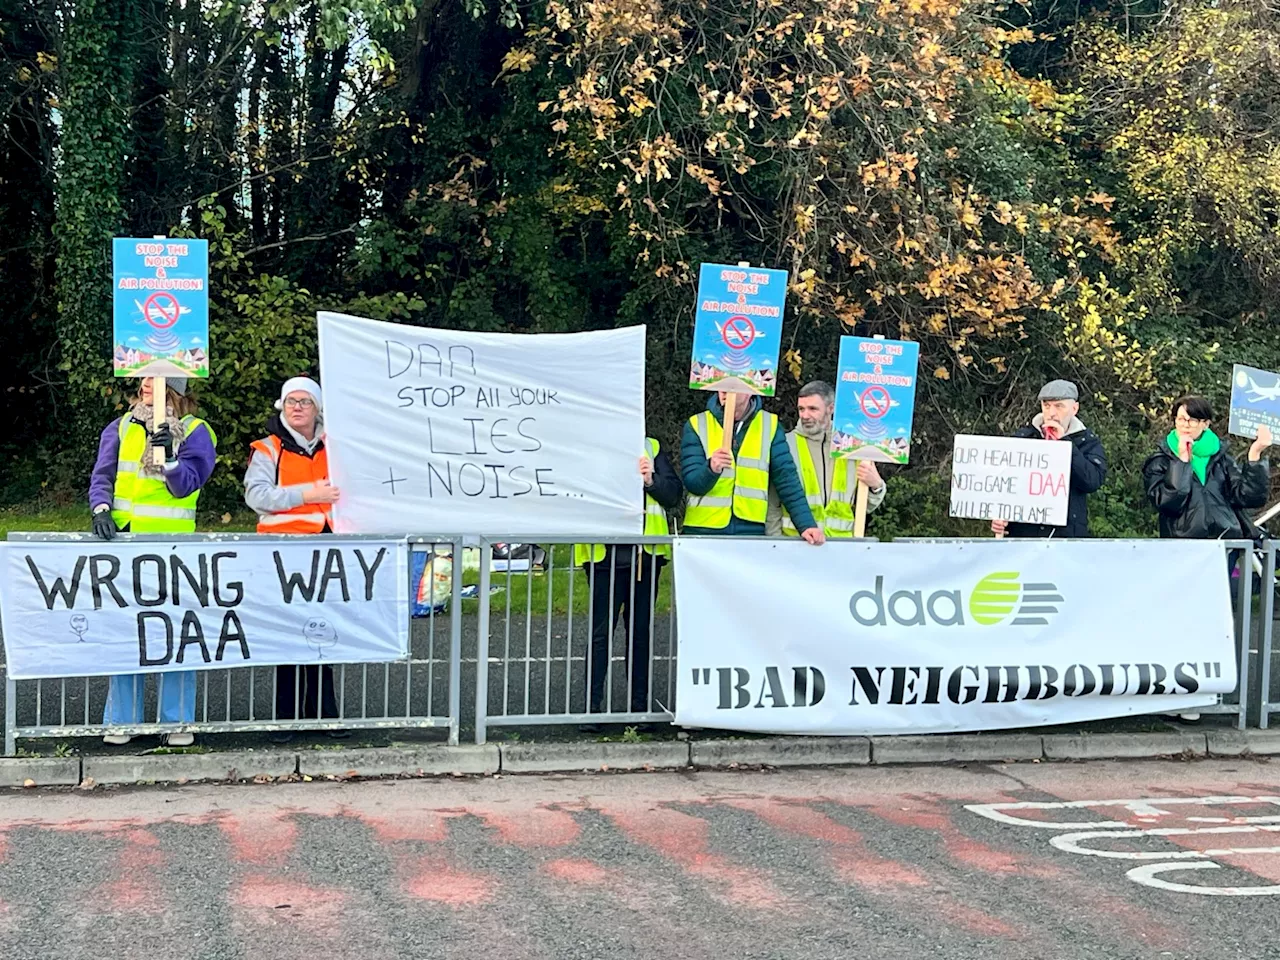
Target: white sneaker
(1189,717)
(180,740)
(116,739)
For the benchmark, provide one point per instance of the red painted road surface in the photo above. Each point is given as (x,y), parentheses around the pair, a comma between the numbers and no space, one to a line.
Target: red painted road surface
(1139,859)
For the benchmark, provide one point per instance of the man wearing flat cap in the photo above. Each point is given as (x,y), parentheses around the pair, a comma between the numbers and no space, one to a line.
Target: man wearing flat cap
(1058,420)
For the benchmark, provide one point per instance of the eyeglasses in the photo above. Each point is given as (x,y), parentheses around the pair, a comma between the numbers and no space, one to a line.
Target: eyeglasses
(1187,421)
(302,403)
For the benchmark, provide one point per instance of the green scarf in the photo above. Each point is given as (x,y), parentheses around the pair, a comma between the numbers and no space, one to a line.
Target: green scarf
(1201,450)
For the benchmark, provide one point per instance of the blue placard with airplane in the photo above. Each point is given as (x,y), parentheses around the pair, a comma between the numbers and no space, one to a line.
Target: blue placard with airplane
(875,399)
(1255,401)
(738,329)
(160,307)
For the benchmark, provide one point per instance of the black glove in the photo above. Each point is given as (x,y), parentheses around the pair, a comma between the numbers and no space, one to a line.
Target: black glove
(104,528)
(163,438)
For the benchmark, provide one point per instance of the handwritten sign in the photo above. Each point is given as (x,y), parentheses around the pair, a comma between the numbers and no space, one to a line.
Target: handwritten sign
(84,608)
(1001,478)
(160,307)
(875,399)
(738,329)
(444,431)
(1255,401)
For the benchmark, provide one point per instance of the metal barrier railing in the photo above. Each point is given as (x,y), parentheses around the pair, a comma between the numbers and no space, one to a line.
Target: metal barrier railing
(565,664)
(1243,609)
(547,652)
(421,692)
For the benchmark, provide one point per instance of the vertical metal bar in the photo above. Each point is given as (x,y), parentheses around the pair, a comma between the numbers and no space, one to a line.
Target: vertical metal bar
(506,642)
(455,645)
(551,593)
(1268,622)
(608,646)
(672,638)
(568,644)
(10,715)
(655,568)
(231,675)
(428,568)
(39,708)
(86,702)
(636,553)
(482,643)
(364,691)
(528,627)
(253,709)
(205,679)
(1246,631)
(62,703)
(342,691)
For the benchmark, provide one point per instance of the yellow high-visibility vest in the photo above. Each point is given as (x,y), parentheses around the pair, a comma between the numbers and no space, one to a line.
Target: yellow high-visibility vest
(655,523)
(144,503)
(834,517)
(742,490)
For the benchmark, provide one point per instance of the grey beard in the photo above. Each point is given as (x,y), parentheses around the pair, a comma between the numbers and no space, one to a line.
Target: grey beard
(817,432)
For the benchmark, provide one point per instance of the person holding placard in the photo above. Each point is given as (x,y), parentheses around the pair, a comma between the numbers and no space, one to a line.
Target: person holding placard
(130,492)
(1058,420)
(729,489)
(826,481)
(287,485)
(1199,491)
(624,583)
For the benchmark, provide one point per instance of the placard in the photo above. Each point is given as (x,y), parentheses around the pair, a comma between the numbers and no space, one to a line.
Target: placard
(1255,401)
(1004,478)
(875,399)
(738,329)
(82,608)
(444,431)
(160,307)
(862,638)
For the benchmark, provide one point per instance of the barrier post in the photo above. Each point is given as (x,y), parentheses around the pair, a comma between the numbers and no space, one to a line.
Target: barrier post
(1268,620)
(10,715)
(1244,614)
(482,642)
(455,644)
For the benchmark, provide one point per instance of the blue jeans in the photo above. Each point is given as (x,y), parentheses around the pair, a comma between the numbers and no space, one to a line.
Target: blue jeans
(177,698)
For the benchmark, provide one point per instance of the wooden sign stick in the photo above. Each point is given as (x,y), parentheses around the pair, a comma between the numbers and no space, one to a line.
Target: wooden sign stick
(730,411)
(860,510)
(159,414)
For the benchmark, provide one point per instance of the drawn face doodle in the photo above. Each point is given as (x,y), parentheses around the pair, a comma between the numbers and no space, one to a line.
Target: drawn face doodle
(79,624)
(319,631)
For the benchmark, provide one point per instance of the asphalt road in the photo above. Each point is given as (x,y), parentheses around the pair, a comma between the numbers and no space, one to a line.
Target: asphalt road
(814,864)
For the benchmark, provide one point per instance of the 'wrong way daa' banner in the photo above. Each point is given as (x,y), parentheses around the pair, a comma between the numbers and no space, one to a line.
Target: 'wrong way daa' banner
(883,638)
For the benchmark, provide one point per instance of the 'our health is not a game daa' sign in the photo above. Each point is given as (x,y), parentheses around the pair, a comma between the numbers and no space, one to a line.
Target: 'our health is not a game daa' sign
(737,329)
(1007,478)
(160,307)
(440,431)
(82,608)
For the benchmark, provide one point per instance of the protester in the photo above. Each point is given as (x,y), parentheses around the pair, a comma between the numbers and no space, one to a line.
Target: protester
(1199,491)
(618,592)
(1058,420)
(130,492)
(826,481)
(287,485)
(729,492)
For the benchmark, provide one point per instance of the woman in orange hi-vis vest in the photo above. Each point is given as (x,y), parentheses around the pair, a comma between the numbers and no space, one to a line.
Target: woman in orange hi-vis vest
(287,485)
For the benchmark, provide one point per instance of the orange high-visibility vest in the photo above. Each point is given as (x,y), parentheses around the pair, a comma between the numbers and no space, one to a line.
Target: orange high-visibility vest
(293,469)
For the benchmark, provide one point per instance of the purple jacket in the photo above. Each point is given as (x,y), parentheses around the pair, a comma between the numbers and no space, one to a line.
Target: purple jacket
(190,472)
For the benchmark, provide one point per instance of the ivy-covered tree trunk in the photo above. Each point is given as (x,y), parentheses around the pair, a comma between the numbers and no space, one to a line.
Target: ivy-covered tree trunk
(96,92)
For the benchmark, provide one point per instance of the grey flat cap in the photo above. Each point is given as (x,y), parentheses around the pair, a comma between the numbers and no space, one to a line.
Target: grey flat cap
(1059,390)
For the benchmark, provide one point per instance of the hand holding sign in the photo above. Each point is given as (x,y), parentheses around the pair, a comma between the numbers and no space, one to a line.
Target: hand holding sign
(321,492)
(646,471)
(1260,445)
(721,460)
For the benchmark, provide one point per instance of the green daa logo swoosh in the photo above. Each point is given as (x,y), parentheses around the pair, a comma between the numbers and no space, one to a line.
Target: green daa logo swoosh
(994,597)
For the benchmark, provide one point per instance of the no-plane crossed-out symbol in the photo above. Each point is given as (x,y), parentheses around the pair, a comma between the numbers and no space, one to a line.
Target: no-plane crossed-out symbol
(738,333)
(161,310)
(874,402)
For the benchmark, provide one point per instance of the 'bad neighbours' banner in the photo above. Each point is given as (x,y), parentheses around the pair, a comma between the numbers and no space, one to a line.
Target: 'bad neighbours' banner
(87,608)
(854,638)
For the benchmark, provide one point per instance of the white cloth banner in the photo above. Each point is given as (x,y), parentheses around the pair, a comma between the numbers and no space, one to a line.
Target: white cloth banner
(86,608)
(881,638)
(442,431)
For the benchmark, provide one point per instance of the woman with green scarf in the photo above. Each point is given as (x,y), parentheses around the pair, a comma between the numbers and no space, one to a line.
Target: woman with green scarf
(1199,491)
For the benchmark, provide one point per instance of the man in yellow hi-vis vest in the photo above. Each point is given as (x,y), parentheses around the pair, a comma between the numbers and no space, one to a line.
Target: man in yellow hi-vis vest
(624,582)
(729,492)
(828,484)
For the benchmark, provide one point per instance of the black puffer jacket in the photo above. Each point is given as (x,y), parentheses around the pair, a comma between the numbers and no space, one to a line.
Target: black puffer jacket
(1191,510)
(1088,471)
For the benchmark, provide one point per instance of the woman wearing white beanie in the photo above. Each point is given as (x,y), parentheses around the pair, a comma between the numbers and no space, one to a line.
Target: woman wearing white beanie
(287,485)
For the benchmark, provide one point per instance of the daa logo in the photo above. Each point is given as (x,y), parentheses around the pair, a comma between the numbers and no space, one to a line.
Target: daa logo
(995,599)
(771,687)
